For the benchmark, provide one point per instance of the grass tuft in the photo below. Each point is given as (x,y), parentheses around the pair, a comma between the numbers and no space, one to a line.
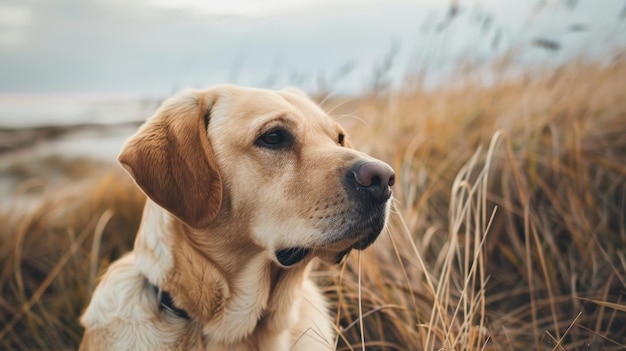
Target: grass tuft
(47,273)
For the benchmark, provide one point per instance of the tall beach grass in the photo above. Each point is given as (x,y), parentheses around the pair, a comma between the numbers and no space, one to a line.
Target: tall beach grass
(507,231)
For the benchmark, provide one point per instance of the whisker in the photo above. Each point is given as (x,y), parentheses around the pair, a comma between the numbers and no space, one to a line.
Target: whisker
(339,104)
(328,96)
(352,115)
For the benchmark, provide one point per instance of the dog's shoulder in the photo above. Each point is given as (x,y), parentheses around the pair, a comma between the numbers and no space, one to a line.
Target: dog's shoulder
(124,314)
(121,294)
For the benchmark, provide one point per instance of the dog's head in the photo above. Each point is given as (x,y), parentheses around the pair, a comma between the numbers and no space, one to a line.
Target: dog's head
(270,165)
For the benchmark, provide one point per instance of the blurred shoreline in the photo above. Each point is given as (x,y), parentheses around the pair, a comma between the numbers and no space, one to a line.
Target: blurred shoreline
(34,110)
(34,158)
(15,139)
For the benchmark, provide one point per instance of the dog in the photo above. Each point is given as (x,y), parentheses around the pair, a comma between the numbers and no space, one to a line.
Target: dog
(244,188)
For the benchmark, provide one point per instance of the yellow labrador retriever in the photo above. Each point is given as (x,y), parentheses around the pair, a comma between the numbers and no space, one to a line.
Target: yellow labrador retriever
(245,187)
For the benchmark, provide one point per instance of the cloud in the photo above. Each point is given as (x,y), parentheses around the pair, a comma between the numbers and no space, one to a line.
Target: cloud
(14,21)
(15,16)
(255,8)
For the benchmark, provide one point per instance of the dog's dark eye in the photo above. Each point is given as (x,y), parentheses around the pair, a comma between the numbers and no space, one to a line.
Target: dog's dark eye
(274,139)
(340,139)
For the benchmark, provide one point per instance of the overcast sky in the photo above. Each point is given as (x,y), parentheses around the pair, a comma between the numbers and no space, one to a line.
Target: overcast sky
(158,46)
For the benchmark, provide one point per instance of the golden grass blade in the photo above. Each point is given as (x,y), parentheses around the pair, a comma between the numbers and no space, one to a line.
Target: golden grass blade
(360,301)
(49,279)
(95,246)
(612,305)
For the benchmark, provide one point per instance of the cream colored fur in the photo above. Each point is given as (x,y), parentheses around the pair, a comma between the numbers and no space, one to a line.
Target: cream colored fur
(219,209)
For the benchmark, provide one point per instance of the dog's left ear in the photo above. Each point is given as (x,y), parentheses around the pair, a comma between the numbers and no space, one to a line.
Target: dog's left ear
(171,159)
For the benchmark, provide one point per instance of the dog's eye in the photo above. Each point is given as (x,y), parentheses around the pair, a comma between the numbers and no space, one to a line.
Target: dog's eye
(340,139)
(274,139)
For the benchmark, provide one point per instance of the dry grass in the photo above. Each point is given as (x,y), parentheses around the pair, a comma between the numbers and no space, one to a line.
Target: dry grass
(508,229)
(51,252)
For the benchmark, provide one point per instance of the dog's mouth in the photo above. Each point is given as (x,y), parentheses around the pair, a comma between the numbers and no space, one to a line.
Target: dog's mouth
(356,237)
(291,256)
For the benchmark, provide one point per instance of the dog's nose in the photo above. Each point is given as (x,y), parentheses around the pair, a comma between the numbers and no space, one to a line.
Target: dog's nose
(376,177)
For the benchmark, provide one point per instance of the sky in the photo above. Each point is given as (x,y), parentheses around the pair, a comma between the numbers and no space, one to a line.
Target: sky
(156,47)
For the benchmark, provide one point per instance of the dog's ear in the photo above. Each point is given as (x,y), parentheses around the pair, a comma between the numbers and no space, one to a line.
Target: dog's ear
(171,159)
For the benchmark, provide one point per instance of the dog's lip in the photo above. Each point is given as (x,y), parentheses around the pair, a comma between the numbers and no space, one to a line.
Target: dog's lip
(359,245)
(290,256)
(342,244)
(342,255)
(366,240)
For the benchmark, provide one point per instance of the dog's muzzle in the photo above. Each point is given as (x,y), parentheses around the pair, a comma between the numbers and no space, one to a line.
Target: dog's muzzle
(368,184)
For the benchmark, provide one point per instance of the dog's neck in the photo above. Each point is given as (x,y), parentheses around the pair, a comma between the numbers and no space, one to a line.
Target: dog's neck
(231,301)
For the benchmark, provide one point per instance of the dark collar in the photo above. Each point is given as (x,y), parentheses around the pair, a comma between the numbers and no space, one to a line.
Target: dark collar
(166,302)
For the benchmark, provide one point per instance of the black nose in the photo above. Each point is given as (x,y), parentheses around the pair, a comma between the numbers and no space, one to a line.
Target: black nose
(375,177)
